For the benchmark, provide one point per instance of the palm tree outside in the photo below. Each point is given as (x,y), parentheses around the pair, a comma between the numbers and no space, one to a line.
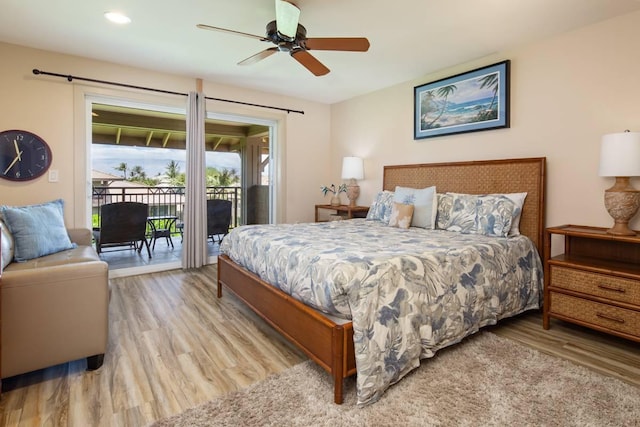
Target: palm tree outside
(122,167)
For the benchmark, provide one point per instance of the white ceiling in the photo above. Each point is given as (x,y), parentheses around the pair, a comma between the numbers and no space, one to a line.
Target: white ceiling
(409,38)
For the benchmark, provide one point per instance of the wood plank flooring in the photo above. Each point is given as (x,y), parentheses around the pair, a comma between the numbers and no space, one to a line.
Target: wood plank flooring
(174,345)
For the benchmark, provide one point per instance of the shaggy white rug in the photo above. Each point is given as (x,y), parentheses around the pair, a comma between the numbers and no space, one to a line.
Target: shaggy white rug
(484,381)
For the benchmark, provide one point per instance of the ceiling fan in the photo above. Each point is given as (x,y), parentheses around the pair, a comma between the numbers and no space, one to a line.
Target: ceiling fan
(290,36)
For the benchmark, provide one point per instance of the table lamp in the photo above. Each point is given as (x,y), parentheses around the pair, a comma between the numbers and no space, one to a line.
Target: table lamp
(352,170)
(620,157)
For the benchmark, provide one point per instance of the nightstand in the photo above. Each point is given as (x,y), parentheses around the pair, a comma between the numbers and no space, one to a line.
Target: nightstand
(345,211)
(595,282)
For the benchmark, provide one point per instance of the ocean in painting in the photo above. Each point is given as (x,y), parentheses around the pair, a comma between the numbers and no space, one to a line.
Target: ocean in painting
(457,114)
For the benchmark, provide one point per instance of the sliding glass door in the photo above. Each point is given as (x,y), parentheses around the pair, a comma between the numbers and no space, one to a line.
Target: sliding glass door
(136,152)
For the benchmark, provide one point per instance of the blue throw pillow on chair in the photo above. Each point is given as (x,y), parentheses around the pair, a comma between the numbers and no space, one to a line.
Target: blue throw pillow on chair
(37,230)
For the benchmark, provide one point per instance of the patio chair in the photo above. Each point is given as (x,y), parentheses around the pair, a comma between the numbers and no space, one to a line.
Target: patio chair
(218,218)
(123,224)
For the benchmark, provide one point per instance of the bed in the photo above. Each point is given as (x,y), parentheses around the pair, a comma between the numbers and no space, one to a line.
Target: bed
(328,339)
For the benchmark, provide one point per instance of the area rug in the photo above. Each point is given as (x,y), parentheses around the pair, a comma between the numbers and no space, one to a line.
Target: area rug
(484,381)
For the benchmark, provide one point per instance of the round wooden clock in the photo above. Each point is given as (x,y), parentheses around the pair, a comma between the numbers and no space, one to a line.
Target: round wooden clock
(23,155)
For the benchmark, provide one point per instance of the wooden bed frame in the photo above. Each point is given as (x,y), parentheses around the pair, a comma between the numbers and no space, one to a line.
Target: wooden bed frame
(330,343)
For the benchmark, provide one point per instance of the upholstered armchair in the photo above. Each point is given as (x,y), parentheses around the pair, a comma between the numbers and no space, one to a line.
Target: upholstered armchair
(54,306)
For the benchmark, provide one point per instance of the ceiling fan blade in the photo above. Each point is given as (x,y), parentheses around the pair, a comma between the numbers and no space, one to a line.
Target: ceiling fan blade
(224,30)
(258,56)
(353,44)
(287,17)
(309,62)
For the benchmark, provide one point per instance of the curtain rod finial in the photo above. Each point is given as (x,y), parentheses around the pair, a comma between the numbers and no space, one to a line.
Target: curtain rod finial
(36,71)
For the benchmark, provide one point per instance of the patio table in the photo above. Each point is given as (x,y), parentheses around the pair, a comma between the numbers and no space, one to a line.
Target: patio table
(161,227)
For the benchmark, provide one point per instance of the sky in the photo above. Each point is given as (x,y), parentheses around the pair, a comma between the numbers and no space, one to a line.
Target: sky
(470,90)
(105,158)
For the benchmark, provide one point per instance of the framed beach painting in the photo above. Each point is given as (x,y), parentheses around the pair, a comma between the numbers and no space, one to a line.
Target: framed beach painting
(468,102)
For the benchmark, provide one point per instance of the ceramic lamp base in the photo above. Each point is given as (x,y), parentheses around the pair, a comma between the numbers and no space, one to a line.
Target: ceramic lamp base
(622,202)
(353,191)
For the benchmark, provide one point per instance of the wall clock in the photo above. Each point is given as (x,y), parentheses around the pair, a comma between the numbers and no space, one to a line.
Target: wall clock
(23,155)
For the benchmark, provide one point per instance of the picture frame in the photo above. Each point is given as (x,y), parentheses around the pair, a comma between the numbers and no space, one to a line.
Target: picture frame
(472,101)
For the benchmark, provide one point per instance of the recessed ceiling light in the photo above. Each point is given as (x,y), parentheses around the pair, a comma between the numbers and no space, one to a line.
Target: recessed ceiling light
(117,17)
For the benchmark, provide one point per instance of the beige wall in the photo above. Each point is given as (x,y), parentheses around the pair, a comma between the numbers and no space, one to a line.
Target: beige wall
(54,109)
(566,93)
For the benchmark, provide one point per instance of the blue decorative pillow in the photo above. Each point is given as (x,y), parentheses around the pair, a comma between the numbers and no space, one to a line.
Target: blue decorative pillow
(445,207)
(462,217)
(488,214)
(381,207)
(37,230)
(425,205)
(494,215)
(518,201)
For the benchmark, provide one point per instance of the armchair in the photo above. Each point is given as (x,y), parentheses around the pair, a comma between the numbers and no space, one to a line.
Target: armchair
(54,308)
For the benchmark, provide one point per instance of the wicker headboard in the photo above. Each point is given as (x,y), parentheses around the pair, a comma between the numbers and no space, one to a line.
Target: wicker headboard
(482,177)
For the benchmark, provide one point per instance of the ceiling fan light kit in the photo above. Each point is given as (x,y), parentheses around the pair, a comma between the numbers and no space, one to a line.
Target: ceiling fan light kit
(284,44)
(288,16)
(291,37)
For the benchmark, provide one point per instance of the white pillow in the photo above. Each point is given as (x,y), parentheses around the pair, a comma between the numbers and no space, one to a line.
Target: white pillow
(425,205)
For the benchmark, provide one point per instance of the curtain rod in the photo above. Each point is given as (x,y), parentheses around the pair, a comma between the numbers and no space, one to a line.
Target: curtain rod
(70,78)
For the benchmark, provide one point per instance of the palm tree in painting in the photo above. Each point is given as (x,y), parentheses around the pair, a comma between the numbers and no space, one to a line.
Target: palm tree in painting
(491,81)
(427,106)
(444,93)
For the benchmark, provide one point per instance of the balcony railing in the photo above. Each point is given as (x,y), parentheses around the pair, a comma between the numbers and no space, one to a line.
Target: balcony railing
(161,200)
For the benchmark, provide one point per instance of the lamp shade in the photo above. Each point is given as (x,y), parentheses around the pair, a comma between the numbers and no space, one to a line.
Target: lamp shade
(620,154)
(352,168)
(287,16)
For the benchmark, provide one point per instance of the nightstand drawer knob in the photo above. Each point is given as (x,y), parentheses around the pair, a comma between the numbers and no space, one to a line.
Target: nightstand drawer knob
(611,288)
(613,319)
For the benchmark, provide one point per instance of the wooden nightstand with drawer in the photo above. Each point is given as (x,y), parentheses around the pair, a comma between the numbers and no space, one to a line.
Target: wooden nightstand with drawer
(595,282)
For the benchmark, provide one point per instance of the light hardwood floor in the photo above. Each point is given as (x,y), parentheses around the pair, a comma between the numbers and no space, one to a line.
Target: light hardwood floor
(173,345)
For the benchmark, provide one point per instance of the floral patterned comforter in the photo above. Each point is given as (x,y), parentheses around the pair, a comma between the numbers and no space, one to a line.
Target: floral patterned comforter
(408,292)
